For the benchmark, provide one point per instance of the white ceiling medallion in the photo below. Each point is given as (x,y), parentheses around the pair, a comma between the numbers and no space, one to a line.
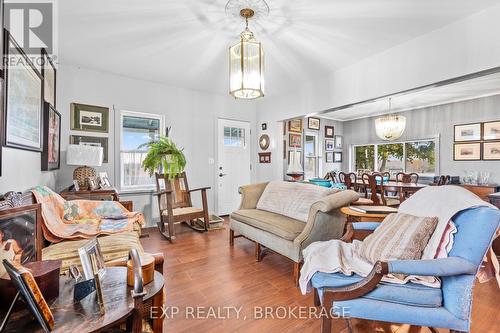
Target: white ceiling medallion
(390,127)
(246,58)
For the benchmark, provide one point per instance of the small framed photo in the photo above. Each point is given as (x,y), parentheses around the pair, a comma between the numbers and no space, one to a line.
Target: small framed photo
(491,130)
(92,183)
(468,132)
(467,152)
(295,126)
(264,126)
(313,123)
(76,186)
(337,157)
(491,151)
(295,140)
(329,157)
(92,248)
(89,118)
(329,132)
(338,142)
(264,157)
(329,145)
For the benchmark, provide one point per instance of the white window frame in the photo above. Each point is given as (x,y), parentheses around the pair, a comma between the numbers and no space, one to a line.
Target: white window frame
(318,149)
(436,139)
(124,113)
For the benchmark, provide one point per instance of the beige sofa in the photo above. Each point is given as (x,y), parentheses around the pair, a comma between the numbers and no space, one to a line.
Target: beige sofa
(285,235)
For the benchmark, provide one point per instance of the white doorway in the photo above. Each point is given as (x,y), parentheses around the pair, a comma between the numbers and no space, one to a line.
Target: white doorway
(233,169)
(312,160)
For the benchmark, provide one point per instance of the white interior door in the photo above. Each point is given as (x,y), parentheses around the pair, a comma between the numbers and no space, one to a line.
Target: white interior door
(234,167)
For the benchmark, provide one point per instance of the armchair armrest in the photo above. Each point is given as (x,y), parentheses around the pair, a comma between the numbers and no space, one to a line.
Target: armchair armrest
(199,189)
(434,267)
(334,201)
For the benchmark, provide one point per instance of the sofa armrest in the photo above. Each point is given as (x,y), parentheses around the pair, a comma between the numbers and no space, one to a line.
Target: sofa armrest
(325,221)
(250,195)
(434,267)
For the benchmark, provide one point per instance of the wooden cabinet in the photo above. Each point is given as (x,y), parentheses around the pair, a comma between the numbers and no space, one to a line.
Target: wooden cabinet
(482,191)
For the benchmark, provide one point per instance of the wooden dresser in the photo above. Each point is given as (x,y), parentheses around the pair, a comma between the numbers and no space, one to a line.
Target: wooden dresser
(482,191)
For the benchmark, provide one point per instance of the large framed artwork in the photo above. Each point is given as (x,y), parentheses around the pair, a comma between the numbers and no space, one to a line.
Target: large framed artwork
(92,141)
(49,79)
(491,151)
(468,132)
(491,130)
(467,152)
(89,118)
(51,153)
(20,235)
(23,100)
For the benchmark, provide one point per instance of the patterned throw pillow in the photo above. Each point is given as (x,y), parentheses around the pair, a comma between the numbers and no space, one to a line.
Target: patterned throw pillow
(399,237)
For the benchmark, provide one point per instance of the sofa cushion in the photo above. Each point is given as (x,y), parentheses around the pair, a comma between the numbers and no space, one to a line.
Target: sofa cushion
(276,224)
(113,247)
(407,294)
(290,199)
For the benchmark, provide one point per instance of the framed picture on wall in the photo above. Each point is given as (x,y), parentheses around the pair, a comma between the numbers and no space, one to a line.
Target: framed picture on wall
(329,132)
(468,132)
(329,157)
(338,142)
(295,140)
(467,152)
(92,141)
(51,138)
(329,145)
(491,130)
(491,151)
(49,79)
(313,123)
(337,157)
(23,100)
(295,125)
(89,118)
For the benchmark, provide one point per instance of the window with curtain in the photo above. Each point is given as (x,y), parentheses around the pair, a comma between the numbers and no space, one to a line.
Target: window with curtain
(136,130)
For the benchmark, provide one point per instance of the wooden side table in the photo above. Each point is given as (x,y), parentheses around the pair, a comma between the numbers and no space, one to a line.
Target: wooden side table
(110,194)
(84,316)
(355,216)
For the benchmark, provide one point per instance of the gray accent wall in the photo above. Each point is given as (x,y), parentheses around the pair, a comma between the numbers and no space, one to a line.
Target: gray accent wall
(437,121)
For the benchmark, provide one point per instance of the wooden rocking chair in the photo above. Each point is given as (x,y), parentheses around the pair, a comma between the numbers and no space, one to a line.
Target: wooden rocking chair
(174,201)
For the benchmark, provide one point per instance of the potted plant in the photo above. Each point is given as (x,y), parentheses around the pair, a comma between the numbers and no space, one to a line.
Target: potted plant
(164,156)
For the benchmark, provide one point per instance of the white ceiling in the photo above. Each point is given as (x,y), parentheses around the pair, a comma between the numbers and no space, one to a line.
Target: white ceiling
(184,42)
(486,85)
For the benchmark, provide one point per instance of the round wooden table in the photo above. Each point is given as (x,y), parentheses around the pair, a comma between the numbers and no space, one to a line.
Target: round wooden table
(84,316)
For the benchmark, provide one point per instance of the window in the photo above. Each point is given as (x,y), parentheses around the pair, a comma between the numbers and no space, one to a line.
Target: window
(234,136)
(311,165)
(136,129)
(411,156)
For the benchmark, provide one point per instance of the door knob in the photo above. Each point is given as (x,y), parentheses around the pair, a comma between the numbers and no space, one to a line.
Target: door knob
(222,174)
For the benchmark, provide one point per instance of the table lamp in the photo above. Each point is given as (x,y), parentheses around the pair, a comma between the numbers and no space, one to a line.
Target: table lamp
(85,156)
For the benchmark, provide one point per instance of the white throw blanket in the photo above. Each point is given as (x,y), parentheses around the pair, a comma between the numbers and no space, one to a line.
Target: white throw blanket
(336,256)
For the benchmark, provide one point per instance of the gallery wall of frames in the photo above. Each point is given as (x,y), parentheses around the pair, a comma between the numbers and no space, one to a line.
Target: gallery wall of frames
(477,141)
(30,120)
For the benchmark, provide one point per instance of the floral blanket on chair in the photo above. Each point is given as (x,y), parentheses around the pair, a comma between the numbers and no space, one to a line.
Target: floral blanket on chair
(82,219)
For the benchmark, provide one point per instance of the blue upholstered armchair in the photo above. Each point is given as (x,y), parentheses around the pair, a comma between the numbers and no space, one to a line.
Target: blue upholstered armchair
(415,304)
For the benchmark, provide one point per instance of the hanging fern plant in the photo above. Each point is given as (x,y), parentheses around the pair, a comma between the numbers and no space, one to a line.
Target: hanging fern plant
(164,156)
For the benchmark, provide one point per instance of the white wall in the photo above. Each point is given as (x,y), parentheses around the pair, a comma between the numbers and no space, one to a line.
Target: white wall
(191,114)
(463,47)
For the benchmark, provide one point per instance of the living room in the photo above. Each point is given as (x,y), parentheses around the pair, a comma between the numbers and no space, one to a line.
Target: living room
(234,149)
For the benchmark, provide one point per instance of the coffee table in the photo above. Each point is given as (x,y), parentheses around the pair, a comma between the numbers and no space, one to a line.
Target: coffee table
(84,316)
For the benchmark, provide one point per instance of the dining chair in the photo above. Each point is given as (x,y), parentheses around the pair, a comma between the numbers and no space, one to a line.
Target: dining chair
(174,202)
(407,177)
(332,175)
(448,307)
(349,180)
(444,180)
(376,192)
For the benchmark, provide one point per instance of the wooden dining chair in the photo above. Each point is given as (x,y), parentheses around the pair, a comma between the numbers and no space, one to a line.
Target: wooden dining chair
(444,180)
(349,180)
(376,191)
(407,177)
(174,202)
(332,175)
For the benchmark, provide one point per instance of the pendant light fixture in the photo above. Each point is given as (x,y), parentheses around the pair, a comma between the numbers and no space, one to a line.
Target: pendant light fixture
(391,126)
(246,63)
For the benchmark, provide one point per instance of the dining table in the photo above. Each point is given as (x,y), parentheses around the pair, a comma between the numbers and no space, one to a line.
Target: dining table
(403,189)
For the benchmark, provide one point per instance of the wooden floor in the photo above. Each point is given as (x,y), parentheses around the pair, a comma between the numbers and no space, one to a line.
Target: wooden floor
(203,271)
